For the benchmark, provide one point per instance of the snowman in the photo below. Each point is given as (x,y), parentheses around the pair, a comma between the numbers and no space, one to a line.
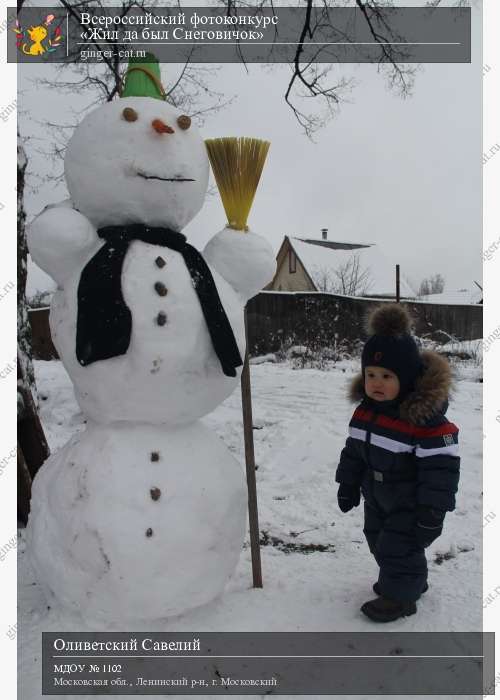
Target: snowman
(142,515)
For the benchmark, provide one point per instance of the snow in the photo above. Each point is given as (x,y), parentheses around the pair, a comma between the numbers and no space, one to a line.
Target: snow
(473,347)
(230,252)
(469,350)
(300,421)
(316,241)
(459,296)
(60,240)
(321,262)
(269,357)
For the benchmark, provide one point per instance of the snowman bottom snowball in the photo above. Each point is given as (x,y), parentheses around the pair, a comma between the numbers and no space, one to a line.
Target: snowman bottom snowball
(128,523)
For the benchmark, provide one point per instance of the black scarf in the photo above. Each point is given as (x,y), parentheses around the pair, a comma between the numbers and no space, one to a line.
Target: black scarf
(104,320)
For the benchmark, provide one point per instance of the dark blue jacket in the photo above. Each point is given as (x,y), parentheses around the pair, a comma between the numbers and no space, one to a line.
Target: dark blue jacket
(393,441)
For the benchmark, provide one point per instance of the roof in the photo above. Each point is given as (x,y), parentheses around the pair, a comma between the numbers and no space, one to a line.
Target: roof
(459,296)
(335,245)
(320,262)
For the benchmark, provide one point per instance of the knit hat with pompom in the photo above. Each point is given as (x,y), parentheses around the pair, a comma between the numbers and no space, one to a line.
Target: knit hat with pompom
(392,346)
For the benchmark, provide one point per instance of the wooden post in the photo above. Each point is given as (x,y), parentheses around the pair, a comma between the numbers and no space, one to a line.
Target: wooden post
(398,285)
(253,515)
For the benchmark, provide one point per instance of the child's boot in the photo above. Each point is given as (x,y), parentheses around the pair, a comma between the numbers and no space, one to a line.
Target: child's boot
(385,610)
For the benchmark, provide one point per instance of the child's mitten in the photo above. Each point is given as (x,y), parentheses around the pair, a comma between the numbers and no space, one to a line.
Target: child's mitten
(348,497)
(429,524)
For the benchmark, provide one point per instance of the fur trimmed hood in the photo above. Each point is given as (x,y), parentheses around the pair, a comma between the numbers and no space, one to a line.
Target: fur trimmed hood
(430,394)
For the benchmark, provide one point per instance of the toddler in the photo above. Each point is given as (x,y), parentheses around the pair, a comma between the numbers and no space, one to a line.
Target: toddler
(402,454)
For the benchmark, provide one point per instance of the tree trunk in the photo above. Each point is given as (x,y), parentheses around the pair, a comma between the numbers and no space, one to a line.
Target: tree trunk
(33,449)
(23,326)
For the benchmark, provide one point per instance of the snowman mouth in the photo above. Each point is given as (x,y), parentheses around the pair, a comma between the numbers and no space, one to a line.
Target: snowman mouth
(165,179)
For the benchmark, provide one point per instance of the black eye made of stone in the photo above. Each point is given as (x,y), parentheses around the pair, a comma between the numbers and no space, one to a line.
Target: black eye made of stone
(130,115)
(184,122)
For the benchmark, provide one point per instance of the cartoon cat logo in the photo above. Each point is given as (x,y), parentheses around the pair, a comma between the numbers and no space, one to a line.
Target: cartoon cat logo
(37,35)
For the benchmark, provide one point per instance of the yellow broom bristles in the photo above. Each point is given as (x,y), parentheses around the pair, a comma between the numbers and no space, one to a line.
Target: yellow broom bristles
(237,164)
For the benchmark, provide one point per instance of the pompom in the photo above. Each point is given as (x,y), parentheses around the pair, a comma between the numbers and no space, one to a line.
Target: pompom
(389,319)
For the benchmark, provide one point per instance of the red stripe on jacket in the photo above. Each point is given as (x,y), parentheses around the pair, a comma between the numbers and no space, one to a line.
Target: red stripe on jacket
(403,426)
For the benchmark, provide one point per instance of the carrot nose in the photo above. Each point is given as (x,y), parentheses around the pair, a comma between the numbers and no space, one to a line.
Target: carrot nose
(160,127)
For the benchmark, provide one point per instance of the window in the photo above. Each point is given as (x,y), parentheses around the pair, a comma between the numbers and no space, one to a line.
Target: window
(292,261)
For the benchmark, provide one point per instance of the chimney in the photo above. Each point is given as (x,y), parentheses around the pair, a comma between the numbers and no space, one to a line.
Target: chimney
(324,233)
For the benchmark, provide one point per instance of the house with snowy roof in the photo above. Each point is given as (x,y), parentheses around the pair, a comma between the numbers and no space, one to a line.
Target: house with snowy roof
(337,267)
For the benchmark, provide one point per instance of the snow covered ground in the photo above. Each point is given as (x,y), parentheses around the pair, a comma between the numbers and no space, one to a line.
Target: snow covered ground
(316,566)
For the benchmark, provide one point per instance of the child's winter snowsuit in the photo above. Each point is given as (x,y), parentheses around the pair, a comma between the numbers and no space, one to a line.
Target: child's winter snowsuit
(404,457)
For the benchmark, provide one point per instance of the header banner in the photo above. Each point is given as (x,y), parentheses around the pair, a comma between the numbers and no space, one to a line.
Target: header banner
(252,35)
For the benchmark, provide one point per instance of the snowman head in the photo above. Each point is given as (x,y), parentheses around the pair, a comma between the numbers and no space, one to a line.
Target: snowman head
(137,160)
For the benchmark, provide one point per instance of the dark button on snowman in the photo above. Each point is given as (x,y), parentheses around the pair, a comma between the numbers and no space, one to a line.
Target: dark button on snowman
(138,162)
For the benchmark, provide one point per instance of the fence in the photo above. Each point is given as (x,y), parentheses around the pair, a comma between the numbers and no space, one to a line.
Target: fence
(312,318)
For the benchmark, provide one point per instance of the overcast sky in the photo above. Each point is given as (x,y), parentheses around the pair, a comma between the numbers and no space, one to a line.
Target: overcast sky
(405,174)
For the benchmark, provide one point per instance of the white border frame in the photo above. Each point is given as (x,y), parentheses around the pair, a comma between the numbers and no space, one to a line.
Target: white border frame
(8,351)
(491,233)
(8,270)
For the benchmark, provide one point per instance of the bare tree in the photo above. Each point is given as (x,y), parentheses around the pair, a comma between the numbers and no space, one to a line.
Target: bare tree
(23,327)
(348,278)
(105,80)
(457,3)
(26,374)
(32,447)
(313,73)
(311,78)
(190,89)
(424,289)
(313,70)
(432,285)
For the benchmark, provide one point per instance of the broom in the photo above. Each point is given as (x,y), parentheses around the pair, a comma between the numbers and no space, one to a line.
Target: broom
(237,164)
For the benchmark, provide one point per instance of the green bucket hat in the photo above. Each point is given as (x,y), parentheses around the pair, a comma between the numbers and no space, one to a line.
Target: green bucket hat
(143,78)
